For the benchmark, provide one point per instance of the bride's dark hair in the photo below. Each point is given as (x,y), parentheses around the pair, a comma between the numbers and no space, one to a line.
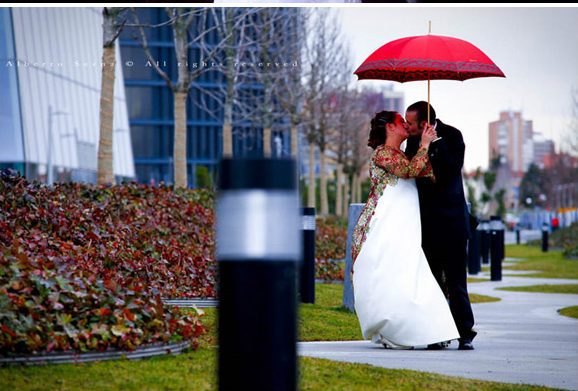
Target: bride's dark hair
(377,132)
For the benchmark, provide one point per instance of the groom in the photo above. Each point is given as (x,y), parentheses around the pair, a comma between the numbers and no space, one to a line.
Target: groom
(444,215)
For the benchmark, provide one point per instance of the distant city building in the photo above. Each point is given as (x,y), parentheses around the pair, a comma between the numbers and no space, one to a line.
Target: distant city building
(50,93)
(562,159)
(386,98)
(511,140)
(543,150)
(393,100)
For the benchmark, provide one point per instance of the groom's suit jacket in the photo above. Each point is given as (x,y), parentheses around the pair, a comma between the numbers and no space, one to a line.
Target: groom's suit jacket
(443,206)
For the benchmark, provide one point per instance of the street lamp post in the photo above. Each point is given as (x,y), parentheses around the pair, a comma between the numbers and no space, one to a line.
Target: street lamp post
(49,176)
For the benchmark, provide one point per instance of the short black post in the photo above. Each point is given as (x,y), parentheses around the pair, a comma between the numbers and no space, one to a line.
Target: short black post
(544,237)
(517,235)
(474,252)
(502,243)
(307,275)
(496,248)
(484,228)
(258,248)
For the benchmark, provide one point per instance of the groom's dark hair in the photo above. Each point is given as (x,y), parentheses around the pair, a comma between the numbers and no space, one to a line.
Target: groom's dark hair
(377,132)
(421,109)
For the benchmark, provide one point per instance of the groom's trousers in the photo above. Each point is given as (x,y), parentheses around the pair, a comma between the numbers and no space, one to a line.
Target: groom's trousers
(447,257)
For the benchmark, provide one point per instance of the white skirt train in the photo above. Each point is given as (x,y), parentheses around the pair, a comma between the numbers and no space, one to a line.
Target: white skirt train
(397,299)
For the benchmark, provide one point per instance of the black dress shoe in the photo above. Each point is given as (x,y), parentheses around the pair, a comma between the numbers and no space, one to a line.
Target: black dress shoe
(466,345)
(437,346)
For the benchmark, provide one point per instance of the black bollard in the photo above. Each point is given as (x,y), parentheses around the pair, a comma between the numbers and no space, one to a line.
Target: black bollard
(474,252)
(502,242)
(484,228)
(544,237)
(517,235)
(307,275)
(258,247)
(496,248)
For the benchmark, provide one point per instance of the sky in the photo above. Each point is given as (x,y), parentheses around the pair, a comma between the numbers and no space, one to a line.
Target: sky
(535,47)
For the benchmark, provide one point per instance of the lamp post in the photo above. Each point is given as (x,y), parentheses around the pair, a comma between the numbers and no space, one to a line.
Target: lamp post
(49,176)
(529,205)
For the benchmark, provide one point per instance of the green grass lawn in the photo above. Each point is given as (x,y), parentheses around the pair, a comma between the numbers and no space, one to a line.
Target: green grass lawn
(551,264)
(477,279)
(572,312)
(474,299)
(552,288)
(195,370)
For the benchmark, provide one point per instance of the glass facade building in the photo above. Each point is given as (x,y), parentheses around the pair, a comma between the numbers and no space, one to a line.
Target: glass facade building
(49,106)
(11,145)
(150,105)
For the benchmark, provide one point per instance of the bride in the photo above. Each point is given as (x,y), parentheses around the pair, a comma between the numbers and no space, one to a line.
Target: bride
(397,299)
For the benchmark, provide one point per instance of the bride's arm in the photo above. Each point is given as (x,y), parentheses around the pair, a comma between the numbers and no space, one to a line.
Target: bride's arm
(396,163)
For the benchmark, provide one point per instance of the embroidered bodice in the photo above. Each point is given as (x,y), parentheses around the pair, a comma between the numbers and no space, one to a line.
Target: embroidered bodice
(387,165)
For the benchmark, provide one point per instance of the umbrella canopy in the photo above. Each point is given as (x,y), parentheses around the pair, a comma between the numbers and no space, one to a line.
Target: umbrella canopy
(427,57)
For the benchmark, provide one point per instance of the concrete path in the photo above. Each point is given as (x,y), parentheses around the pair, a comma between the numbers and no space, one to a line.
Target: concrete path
(521,339)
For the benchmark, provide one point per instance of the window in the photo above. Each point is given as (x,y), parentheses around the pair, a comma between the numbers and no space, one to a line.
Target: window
(11,148)
(144,102)
(149,142)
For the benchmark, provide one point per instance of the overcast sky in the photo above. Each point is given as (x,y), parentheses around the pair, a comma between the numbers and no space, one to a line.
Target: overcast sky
(537,49)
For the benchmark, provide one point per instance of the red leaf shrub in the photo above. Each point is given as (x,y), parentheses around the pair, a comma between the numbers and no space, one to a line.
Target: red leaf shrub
(128,235)
(84,267)
(49,305)
(330,244)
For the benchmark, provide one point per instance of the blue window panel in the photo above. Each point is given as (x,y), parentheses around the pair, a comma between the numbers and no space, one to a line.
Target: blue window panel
(11,147)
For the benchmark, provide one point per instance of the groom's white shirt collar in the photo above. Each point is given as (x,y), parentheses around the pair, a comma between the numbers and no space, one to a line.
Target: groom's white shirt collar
(435,126)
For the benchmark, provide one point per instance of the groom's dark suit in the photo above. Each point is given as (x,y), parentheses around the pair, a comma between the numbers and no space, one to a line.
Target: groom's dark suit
(445,221)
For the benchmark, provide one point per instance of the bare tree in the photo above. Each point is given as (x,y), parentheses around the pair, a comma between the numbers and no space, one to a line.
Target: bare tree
(233,23)
(111,28)
(571,137)
(350,122)
(269,28)
(254,73)
(291,92)
(191,29)
(325,54)
(359,153)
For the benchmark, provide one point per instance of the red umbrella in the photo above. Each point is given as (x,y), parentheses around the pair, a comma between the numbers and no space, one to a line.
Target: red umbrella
(427,57)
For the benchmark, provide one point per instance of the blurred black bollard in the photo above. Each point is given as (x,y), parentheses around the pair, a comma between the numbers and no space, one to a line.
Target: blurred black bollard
(307,275)
(484,228)
(517,235)
(496,247)
(474,265)
(502,243)
(544,237)
(258,248)
(352,217)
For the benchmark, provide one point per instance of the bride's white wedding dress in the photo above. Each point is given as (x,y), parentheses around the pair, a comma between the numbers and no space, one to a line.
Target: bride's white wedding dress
(397,299)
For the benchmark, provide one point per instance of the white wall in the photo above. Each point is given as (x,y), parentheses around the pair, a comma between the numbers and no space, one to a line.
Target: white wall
(60,51)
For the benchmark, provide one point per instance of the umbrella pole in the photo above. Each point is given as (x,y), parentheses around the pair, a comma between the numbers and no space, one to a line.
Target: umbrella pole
(429,32)
(428,101)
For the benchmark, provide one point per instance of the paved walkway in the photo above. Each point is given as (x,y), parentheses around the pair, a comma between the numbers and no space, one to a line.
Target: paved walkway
(521,339)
